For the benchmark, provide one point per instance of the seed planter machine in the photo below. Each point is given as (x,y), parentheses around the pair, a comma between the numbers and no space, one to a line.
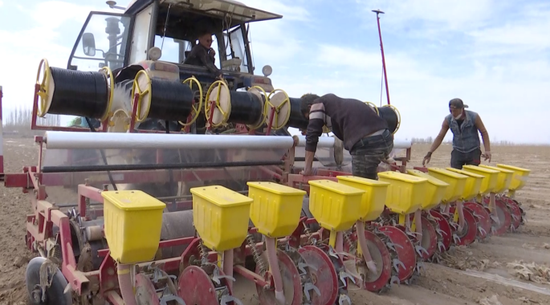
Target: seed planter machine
(240,213)
(175,187)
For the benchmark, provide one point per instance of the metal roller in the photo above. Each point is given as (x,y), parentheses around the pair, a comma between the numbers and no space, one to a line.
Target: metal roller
(328,142)
(176,225)
(88,140)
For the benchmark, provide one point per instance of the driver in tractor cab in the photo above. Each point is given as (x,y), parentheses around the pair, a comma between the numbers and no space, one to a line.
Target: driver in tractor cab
(204,55)
(364,134)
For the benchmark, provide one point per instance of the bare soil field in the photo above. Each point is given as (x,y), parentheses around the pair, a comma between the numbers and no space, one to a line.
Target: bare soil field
(508,270)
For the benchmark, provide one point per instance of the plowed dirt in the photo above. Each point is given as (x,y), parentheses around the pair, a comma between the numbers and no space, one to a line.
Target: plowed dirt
(482,273)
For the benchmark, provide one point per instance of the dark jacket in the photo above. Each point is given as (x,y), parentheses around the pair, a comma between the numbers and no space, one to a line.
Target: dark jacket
(199,57)
(349,119)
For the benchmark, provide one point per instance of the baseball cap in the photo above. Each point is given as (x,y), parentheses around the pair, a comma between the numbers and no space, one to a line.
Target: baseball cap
(457,103)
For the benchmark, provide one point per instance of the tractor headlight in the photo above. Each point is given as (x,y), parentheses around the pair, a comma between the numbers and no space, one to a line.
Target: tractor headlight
(267,70)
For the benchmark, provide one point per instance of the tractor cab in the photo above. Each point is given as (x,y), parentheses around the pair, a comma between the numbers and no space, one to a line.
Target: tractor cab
(158,35)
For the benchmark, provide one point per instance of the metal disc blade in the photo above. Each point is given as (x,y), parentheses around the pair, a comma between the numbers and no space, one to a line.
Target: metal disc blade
(405,251)
(445,233)
(382,259)
(323,275)
(504,217)
(516,213)
(483,220)
(145,291)
(469,232)
(292,285)
(429,239)
(195,287)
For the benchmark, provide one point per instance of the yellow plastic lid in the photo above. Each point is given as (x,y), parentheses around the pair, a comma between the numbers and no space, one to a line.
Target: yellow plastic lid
(465,173)
(513,168)
(336,187)
(507,171)
(362,180)
(276,188)
(431,179)
(446,172)
(479,169)
(220,195)
(132,200)
(401,177)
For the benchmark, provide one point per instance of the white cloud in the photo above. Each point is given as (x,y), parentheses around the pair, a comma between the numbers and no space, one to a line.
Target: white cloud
(272,42)
(527,32)
(24,48)
(289,11)
(369,63)
(1,3)
(500,66)
(440,15)
(56,12)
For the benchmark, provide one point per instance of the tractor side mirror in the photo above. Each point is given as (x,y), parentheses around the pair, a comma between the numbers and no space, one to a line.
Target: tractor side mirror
(88,44)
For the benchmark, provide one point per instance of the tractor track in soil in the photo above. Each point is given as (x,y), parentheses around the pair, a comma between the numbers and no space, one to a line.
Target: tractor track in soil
(482,278)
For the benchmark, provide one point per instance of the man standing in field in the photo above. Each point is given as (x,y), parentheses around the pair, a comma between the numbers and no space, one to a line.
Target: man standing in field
(464,125)
(364,134)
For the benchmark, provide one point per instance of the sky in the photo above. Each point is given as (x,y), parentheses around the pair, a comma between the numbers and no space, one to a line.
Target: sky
(494,54)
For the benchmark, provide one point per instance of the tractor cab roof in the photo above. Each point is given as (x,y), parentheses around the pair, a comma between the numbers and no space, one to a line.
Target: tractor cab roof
(222,14)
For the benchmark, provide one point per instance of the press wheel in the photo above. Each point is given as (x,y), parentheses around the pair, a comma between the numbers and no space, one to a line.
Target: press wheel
(323,275)
(292,286)
(54,295)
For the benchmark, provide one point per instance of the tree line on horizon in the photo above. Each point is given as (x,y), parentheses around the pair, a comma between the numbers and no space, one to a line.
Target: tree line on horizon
(18,122)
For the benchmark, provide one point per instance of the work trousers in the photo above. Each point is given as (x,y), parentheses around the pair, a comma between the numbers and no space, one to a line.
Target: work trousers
(368,152)
(459,159)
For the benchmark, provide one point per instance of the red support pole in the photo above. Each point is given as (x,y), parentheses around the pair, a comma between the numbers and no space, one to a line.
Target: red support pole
(383,57)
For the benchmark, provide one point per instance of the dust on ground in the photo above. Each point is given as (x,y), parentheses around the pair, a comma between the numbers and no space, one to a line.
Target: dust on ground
(510,270)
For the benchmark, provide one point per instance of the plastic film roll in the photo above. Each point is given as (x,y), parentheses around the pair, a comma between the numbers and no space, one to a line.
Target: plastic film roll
(241,107)
(161,99)
(70,92)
